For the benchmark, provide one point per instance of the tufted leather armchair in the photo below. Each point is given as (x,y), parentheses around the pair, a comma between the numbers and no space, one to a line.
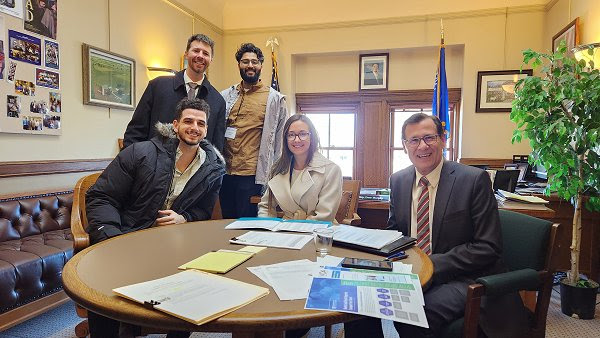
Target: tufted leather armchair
(35,244)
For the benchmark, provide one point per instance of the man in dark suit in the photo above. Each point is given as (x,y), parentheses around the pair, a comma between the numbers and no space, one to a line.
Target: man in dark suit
(451,209)
(163,93)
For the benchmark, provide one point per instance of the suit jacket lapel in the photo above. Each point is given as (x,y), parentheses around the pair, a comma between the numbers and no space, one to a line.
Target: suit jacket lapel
(280,186)
(442,197)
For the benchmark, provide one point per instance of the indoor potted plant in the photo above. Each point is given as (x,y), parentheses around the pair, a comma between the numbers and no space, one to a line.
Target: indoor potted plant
(559,112)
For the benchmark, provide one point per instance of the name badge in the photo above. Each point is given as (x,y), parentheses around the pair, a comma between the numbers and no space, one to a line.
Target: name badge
(230,132)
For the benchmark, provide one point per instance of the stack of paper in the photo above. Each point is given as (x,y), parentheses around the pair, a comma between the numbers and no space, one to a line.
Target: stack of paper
(277,224)
(386,295)
(521,198)
(193,295)
(372,238)
(275,240)
(291,280)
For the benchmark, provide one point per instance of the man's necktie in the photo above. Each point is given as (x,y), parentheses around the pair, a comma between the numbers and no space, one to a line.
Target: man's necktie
(423,236)
(192,90)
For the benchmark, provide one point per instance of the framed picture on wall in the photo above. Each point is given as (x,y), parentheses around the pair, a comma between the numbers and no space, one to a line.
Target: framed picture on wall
(570,34)
(108,79)
(496,89)
(373,70)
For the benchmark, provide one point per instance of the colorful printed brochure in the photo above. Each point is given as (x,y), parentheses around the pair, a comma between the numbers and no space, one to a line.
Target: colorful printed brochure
(386,295)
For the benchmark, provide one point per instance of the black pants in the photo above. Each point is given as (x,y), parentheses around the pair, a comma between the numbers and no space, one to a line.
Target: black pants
(235,196)
(104,327)
(443,304)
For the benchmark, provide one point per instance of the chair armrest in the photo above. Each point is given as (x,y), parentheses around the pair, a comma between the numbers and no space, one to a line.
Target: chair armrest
(81,239)
(513,281)
(355,220)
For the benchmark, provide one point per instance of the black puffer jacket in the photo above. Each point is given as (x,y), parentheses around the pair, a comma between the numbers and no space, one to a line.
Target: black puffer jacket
(134,186)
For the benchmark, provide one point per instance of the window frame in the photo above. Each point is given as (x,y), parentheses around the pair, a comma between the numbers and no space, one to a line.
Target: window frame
(372,125)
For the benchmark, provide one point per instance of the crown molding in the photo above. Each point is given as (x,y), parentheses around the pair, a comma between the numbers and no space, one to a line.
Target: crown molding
(388,21)
(550,4)
(194,15)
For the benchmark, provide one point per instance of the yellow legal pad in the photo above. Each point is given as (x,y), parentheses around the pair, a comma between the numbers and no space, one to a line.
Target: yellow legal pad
(218,261)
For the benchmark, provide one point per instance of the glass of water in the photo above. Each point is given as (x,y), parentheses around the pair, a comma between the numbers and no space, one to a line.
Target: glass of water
(323,240)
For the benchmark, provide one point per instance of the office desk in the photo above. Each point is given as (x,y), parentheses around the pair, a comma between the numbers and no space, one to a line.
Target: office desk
(90,276)
(374,214)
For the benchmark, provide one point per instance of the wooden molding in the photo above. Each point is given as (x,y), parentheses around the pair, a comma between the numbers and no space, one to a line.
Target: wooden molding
(493,163)
(51,167)
(345,99)
(389,21)
(30,310)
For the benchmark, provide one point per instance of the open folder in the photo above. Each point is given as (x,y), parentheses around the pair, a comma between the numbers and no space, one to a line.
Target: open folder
(192,295)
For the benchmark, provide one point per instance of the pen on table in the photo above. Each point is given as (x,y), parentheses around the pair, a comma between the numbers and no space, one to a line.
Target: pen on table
(397,255)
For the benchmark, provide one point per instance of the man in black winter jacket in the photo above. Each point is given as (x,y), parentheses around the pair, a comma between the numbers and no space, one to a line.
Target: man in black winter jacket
(173,178)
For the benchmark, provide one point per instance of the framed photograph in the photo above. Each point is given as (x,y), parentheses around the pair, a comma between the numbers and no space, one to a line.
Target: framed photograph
(108,79)
(373,70)
(496,89)
(570,34)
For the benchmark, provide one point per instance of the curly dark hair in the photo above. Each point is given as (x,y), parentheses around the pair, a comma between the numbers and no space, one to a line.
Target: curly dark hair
(249,47)
(197,104)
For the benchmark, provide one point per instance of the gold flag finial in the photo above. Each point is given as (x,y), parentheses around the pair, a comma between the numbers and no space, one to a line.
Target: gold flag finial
(442,28)
(272,42)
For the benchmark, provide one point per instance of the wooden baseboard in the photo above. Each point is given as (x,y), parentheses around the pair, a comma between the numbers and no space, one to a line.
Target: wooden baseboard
(51,167)
(30,310)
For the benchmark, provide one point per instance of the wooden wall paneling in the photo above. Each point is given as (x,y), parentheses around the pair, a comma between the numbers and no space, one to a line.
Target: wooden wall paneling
(376,143)
(51,167)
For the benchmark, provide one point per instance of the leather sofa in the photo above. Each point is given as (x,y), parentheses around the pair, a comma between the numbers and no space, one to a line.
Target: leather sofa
(35,244)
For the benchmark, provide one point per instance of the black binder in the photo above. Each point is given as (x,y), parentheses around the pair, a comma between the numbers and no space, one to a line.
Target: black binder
(400,244)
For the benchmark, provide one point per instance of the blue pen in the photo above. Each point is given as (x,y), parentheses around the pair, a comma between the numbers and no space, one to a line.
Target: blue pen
(396,255)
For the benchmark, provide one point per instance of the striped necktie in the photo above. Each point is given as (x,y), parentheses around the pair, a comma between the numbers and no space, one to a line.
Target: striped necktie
(423,236)
(192,91)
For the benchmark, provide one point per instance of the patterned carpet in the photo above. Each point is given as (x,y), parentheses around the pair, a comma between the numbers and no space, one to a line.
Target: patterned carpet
(60,323)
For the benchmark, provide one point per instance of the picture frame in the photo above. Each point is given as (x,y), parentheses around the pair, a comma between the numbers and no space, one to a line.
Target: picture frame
(373,71)
(108,78)
(570,33)
(495,89)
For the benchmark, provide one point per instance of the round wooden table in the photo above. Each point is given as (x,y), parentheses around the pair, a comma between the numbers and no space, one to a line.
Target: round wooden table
(90,276)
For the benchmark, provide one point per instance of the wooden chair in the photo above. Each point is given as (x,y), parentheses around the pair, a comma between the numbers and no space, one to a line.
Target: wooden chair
(527,252)
(81,239)
(346,213)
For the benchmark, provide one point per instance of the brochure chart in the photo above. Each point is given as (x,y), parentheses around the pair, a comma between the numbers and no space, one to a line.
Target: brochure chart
(385,295)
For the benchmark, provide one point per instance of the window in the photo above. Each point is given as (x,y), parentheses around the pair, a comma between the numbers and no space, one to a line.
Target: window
(336,133)
(361,132)
(398,158)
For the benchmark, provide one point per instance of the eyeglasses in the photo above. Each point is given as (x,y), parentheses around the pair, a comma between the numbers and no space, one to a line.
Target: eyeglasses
(246,62)
(429,140)
(303,136)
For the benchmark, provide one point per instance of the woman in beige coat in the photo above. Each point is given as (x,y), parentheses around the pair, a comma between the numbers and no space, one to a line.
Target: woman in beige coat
(303,183)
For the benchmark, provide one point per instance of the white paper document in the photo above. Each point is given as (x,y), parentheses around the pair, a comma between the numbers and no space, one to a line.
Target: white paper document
(192,295)
(277,224)
(372,238)
(385,295)
(270,239)
(290,280)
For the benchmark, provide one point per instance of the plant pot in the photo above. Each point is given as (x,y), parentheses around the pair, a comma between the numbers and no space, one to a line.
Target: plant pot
(579,301)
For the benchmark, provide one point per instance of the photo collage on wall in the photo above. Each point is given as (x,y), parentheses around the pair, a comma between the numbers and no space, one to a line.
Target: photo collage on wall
(30,67)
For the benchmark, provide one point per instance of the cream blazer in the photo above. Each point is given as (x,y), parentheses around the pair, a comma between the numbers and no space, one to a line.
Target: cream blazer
(315,194)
